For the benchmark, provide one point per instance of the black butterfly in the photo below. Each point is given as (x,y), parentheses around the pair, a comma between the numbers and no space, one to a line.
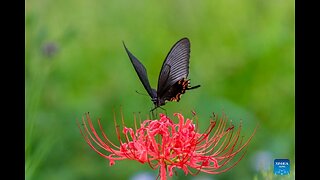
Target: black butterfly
(172,82)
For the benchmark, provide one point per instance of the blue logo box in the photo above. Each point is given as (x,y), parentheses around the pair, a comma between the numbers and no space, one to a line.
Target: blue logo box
(281,167)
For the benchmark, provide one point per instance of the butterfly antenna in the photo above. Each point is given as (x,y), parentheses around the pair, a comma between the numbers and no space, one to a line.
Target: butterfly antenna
(141,93)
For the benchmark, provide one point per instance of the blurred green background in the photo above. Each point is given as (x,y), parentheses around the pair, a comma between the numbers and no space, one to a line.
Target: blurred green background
(242,55)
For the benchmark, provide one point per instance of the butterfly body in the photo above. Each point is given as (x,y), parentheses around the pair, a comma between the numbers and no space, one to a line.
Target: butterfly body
(172,82)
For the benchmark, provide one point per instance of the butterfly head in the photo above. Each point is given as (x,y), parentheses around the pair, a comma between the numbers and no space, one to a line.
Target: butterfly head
(158,101)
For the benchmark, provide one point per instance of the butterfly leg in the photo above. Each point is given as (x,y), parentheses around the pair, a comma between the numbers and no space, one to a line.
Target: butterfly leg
(152,112)
(164,110)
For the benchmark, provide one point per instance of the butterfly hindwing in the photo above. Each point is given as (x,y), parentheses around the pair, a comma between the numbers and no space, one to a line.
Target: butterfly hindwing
(174,92)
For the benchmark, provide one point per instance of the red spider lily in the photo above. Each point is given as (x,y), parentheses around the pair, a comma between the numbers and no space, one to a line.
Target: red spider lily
(167,145)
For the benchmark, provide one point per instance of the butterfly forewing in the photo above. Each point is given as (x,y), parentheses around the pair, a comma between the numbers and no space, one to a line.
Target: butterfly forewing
(175,67)
(142,73)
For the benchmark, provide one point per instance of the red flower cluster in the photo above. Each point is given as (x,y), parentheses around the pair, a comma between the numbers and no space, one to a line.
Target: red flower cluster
(167,145)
